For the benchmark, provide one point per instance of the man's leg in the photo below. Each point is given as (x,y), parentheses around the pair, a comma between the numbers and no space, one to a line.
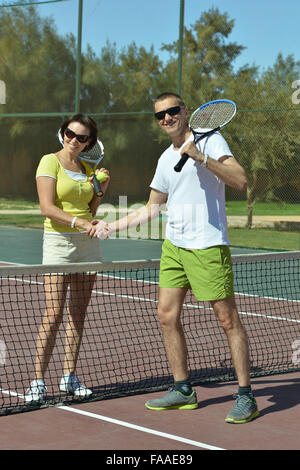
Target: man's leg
(169,313)
(245,408)
(228,316)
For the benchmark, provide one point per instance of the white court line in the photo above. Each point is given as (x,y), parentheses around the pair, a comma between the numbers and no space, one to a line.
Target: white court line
(9,262)
(202,445)
(196,306)
(13,394)
(200,307)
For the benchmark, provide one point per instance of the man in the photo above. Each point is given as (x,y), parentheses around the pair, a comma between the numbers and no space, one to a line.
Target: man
(195,253)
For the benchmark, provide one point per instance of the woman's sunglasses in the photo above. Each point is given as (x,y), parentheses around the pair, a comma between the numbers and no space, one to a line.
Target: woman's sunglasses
(171,111)
(80,137)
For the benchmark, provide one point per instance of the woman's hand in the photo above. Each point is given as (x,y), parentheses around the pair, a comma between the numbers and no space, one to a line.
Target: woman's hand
(99,229)
(105,184)
(96,201)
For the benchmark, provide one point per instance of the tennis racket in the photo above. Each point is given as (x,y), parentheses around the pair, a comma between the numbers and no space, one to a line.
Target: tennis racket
(90,160)
(209,118)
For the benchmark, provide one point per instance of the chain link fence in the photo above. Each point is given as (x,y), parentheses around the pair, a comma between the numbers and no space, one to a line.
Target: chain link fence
(46,76)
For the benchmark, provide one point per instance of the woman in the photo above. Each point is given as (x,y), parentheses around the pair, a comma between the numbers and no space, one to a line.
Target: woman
(68,202)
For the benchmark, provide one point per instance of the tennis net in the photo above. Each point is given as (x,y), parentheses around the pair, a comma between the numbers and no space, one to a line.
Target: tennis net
(122,350)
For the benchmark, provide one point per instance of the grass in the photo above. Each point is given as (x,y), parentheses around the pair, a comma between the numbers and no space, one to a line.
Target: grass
(264,238)
(255,238)
(17,204)
(22,220)
(25,219)
(232,207)
(262,208)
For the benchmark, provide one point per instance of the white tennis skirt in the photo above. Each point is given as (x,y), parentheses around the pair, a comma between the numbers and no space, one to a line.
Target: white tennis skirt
(61,248)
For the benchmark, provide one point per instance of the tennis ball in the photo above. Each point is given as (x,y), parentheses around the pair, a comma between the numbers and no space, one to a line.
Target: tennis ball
(101,176)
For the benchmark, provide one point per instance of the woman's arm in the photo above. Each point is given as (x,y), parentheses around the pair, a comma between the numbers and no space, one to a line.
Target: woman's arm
(46,193)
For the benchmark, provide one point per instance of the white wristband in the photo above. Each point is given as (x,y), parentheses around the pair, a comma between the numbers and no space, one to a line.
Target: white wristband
(204,163)
(73,222)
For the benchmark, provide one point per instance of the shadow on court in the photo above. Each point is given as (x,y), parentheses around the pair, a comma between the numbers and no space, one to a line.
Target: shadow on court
(282,394)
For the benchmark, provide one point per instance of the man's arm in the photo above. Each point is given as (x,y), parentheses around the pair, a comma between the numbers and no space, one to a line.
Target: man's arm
(148,212)
(229,171)
(226,168)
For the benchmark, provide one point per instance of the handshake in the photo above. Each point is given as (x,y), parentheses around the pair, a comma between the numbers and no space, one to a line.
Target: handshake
(100,229)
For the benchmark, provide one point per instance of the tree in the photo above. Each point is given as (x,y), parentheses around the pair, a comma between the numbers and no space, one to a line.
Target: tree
(262,137)
(265,134)
(132,77)
(208,57)
(37,65)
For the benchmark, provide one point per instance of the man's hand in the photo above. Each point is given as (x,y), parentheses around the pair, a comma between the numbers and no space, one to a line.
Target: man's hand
(99,229)
(192,151)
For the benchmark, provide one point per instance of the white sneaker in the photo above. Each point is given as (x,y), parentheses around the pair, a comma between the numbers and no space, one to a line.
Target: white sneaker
(71,384)
(36,392)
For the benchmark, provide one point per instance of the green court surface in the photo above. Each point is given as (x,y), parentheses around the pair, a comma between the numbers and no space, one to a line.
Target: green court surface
(25,247)
(22,246)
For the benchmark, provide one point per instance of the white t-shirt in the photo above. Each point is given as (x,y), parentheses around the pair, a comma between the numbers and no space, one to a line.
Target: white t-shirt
(196,197)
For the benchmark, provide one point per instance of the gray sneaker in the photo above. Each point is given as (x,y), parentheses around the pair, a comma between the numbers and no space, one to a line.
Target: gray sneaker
(244,410)
(174,400)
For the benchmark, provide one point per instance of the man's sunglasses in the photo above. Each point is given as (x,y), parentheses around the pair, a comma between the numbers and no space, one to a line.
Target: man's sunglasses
(80,137)
(171,111)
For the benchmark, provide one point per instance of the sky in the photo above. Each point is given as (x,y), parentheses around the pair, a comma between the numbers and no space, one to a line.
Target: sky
(264,27)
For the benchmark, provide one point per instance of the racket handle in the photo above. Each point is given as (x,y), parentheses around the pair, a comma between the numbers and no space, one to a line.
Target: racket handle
(181,162)
(97,187)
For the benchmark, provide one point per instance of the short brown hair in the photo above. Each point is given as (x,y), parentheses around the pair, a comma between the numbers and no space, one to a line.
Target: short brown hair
(169,94)
(86,121)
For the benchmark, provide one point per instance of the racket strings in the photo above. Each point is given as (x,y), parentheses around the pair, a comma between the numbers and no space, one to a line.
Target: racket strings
(212,116)
(95,154)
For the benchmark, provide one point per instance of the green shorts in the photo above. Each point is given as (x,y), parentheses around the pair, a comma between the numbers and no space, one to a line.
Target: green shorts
(207,272)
